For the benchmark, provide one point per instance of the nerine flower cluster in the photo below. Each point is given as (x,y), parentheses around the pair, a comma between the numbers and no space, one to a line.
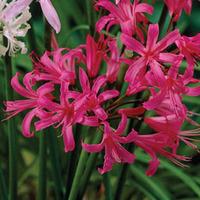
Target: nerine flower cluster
(84,86)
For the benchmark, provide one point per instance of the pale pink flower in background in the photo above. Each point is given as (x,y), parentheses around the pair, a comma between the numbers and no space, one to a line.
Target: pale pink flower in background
(13,28)
(49,11)
(13,20)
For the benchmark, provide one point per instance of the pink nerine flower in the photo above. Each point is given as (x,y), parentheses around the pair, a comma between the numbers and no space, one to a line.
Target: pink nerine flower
(114,152)
(56,66)
(95,100)
(113,62)
(153,52)
(132,112)
(95,53)
(126,14)
(36,100)
(47,8)
(65,114)
(154,144)
(189,47)
(170,127)
(171,86)
(176,6)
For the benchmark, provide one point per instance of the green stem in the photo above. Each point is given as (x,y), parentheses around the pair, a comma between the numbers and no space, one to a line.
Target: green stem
(70,170)
(124,170)
(89,15)
(41,195)
(72,160)
(32,38)
(130,147)
(88,170)
(55,164)
(101,12)
(47,36)
(3,189)
(79,171)
(11,135)
(108,188)
(75,185)
(86,176)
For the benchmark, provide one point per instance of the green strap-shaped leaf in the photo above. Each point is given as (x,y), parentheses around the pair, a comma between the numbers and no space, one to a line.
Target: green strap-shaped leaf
(150,183)
(144,190)
(177,171)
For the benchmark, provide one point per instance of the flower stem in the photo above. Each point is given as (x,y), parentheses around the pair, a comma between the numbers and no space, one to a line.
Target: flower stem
(89,15)
(88,170)
(82,163)
(42,168)
(130,147)
(47,36)
(72,160)
(54,158)
(107,185)
(87,173)
(42,139)
(75,185)
(3,189)
(12,193)
(124,170)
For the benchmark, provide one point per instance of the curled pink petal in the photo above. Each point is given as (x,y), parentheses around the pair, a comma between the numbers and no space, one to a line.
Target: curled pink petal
(18,87)
(132,44)
(92,148)
(90,121)
(26,124)
(68,138)
(84,81)
(99,82)
(100,113)
(108,94)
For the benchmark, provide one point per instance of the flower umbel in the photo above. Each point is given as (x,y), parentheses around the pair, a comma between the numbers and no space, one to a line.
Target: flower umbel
(110,83)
